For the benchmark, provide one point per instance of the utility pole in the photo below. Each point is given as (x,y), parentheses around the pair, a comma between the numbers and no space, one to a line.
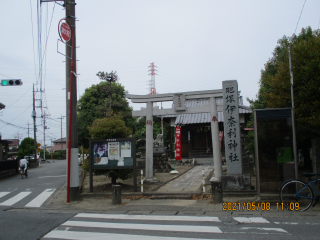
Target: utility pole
(61,136)
(293,120)
(34,115)
(51,149)
(44,133)
(44,136)
(71,95)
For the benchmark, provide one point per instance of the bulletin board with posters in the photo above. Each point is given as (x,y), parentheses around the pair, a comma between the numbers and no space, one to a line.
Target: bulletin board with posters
(115,153)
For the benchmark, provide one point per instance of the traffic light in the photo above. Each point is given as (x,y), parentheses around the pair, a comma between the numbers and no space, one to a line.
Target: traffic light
(11,82)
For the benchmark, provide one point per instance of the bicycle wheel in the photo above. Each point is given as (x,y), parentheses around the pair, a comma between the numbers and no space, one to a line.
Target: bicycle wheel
(296,191)
(22,173)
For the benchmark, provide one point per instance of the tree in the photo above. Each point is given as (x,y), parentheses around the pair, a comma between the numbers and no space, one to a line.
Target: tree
(275,91)
(26,147)
(110,127)
(95,103)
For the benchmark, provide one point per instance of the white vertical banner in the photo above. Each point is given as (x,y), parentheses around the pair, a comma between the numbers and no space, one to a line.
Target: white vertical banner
(232,127)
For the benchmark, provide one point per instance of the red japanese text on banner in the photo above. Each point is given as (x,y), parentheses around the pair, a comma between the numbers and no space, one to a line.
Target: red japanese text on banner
(178,143)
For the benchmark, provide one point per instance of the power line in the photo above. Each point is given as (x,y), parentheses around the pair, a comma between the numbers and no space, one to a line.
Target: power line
(34,55)
(10,124)
(5,76)
(299,17)
(20,97)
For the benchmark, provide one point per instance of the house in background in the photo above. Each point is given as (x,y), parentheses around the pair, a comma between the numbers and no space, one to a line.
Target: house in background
(4,147)
(59,144)
(13,148)
(15,143)
(49,148)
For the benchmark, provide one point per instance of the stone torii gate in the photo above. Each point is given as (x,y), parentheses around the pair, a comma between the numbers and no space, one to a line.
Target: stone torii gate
(179,107)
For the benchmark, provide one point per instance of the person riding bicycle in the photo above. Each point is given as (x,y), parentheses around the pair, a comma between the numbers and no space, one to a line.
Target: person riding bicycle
(24,164)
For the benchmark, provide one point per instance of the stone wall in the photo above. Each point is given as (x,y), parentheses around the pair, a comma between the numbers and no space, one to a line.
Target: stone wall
(236,182)
(161,163)
(183,162)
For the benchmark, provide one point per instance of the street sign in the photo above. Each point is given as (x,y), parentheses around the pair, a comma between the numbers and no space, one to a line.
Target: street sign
(65,31)
(11,82)
(38,149)
(38,144)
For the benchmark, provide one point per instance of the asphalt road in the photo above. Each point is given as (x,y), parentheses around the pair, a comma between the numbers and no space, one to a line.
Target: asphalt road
(135,220)
(44,180)
(155,227)
(22,201)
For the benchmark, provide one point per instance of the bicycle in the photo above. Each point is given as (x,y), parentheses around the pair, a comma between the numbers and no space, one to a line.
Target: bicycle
(298,195)
(22,172)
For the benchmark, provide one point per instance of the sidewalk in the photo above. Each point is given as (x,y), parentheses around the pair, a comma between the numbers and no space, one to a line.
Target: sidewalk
(173,195)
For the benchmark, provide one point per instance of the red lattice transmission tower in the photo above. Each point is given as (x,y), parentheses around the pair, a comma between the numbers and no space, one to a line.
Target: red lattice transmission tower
(152,81)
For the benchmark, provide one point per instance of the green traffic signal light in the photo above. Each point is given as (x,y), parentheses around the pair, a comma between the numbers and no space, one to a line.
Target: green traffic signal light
(4,82)
(11,82)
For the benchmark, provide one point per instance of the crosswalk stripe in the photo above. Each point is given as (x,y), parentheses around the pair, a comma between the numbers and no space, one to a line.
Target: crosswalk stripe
(251,220)
(159,227)
(15,199)
(280,230)
(41,198)
(110,236)
(2,194)
(148,217)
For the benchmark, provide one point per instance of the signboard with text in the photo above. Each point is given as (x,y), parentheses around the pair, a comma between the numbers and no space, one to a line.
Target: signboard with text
(113,153)
(179,102)
(232,127)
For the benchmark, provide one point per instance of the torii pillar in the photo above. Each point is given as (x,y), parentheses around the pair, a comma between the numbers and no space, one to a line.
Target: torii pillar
(149,143)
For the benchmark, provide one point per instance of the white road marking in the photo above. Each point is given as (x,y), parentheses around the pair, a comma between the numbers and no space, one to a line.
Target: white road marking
(53,176)
(295,223)
(110,236)
(15,199)
(155,227)
(251,220)
(148,217)
(290,223)
(2,194)
(41,198)
(265,229)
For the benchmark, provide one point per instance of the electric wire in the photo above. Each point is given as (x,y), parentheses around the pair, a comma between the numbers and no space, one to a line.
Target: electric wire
(12,125)
(5,76)
(299,17)
(34,55)
(19,98)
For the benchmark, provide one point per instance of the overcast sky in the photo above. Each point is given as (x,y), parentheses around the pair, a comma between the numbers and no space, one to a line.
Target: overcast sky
(195,44)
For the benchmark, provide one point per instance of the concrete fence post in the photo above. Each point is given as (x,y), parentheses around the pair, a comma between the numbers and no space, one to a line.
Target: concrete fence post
(116,194)
(203,182)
